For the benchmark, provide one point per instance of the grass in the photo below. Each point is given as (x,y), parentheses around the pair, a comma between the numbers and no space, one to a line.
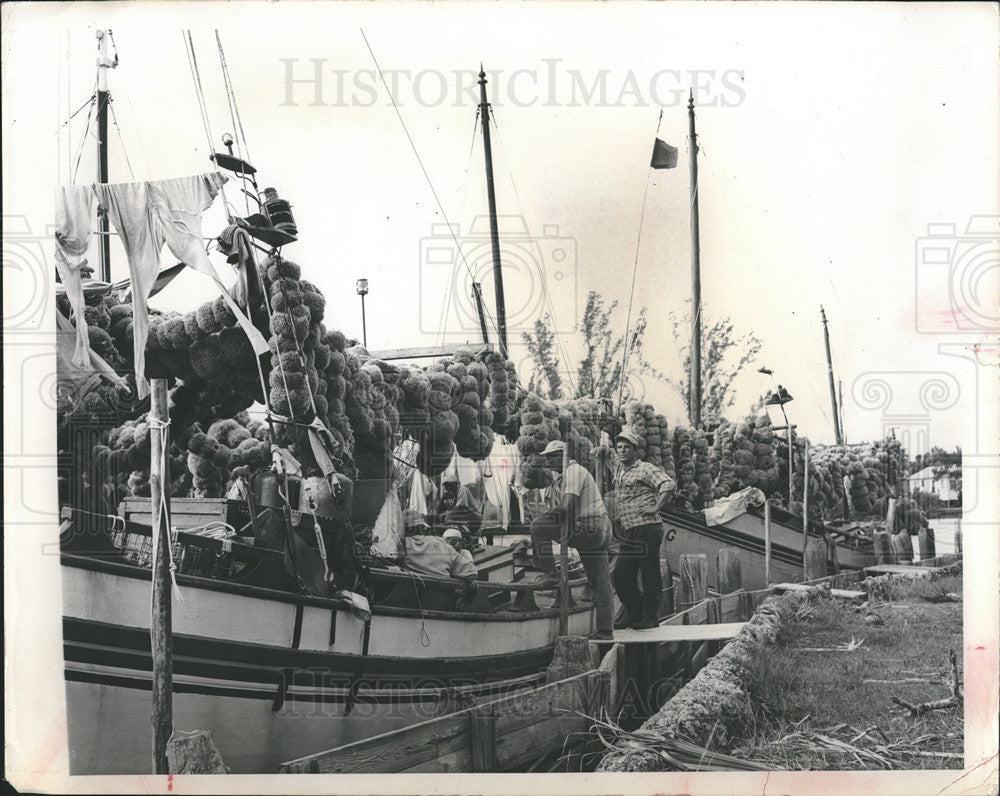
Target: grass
(823,697)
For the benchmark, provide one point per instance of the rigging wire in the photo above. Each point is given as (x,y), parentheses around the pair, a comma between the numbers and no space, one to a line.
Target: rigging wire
(635,268)
(234,113)
(560,339)
(420,162)
(121,140)
(450,291)
(83,138)
(203,107)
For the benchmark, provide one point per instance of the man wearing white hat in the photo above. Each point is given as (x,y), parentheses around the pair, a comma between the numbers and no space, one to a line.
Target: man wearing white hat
(642,490)
(589,532)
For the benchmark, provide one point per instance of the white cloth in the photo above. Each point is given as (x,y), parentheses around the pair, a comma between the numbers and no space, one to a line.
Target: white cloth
(149,214)
(421,488)
(69,369)
(733,506)
(460,469)
(74,223)
(502,464)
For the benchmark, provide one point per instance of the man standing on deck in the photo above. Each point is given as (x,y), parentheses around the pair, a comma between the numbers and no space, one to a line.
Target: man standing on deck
(642,489)
(580,506)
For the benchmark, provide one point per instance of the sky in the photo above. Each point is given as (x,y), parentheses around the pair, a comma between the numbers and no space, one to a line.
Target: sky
(831,137)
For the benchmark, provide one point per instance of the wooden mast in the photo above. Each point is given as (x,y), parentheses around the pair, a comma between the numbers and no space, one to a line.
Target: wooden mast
(837,432)
(103,98)
(484,110)
(477,296)
(694,408)
(161,641)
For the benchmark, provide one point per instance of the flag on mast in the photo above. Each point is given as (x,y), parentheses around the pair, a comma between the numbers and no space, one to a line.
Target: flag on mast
(664,155)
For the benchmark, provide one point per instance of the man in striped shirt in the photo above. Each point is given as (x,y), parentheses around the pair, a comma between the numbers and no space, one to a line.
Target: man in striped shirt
(642,491)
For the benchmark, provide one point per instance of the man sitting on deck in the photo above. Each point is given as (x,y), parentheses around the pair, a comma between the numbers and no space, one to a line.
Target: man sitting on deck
(580,506)
(431,555)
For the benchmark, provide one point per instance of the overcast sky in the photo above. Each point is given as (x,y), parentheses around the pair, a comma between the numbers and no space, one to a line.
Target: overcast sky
(831,135)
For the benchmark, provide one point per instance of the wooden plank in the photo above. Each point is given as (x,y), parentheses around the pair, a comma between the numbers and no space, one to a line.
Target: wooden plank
(900,569)
(883,550)
(530,742)
(482,736)
(731,607)
(522,710)
(694,579)
(729,570)
(814,558)
(846,594)
(423,352)
(663,633)
(398,750)
(457,761)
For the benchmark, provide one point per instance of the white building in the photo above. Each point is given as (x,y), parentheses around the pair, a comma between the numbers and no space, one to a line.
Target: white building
(947,486)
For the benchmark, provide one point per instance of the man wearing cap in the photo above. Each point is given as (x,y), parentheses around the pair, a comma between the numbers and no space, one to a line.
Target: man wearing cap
(427,554)
(454,537)
(580,506)
(642,490)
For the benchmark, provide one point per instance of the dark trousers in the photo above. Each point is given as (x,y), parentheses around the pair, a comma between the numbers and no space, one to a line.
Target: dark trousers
(590,538)
(639,551)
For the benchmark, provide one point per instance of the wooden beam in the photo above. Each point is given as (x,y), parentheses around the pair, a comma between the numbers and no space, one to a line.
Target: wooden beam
(846,594)
(161,639)
(900,569)
(482,734)
(729,572)
(664,633)
(426,352)
(694,579)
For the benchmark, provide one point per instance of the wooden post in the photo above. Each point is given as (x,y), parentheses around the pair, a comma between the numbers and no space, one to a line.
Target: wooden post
(767,543)
(925,539)
(728,569)
(564,545)
(958,537)
(482,732)
(694,579)
(897,546)
(161,643)
(831,556)
(883,550)
(814,562)
(667,580)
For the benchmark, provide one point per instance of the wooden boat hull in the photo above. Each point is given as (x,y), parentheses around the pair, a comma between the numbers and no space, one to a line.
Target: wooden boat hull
(687,533)
(271,673)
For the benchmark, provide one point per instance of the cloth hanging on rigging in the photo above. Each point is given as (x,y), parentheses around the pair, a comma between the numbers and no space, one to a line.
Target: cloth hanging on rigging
(148,215)
(234,242)
(503,461)
(68,369)
(74,224)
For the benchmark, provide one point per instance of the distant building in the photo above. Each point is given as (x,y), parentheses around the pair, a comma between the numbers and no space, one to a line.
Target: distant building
(947,485)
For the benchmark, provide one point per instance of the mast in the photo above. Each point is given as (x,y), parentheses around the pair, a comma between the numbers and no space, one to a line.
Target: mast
(477,295)
(838,434)
(694,408)
(484,111)
(103,98)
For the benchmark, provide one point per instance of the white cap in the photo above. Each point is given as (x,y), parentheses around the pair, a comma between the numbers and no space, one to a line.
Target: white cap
(555,446)
(451,533)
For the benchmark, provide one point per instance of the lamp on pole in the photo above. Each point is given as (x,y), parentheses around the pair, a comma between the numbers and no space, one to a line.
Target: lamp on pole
(362,288)
(778,398)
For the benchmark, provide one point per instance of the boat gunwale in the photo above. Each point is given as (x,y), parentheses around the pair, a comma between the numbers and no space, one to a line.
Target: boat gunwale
(260,592)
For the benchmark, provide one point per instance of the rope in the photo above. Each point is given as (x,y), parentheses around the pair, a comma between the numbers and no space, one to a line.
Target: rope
(635,267)
(560,340)
(234,111)
(121,140)
(90,120)
(199,91)
(420,162)
(161,426)
(443,319)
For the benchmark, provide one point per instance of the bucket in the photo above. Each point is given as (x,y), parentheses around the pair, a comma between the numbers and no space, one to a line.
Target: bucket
(267,489)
